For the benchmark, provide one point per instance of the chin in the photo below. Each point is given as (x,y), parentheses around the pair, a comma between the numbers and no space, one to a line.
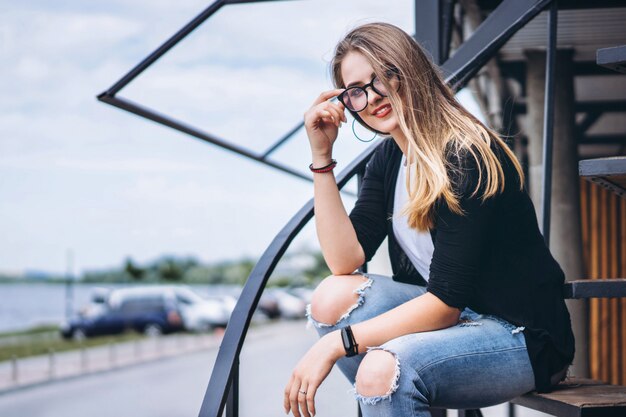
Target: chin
(386,126)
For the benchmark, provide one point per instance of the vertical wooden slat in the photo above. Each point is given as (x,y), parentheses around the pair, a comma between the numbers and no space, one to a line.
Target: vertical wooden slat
(605,357)
(584,218)
(594,304)
(614,302)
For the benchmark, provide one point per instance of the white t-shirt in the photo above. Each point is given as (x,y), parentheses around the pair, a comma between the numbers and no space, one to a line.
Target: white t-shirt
(417,245)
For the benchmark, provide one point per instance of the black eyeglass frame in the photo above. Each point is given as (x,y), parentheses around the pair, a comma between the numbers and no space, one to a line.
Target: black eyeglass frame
(392,72)
(364,88)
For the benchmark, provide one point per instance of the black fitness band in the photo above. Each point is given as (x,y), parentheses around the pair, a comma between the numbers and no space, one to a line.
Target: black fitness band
(349,344)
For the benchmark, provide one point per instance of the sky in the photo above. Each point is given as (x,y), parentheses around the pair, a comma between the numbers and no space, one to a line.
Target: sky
(78,176)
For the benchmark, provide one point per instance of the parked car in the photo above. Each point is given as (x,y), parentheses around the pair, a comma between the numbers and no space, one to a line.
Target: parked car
(202,314)
(289,305)
(149,310)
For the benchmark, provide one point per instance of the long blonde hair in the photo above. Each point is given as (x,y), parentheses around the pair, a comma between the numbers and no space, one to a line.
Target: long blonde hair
(430,118)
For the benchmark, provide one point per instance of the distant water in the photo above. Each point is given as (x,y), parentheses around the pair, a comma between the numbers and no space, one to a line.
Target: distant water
(24,305)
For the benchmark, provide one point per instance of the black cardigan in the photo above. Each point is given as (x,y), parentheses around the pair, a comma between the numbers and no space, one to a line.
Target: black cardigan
(492,260)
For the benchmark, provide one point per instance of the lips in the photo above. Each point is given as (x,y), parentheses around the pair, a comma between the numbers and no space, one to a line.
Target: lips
(382,111)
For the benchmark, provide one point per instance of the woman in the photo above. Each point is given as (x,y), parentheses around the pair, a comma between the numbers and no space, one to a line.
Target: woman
(474,314)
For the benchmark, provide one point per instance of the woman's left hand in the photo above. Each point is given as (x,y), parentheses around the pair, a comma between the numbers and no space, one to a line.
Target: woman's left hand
(309,373)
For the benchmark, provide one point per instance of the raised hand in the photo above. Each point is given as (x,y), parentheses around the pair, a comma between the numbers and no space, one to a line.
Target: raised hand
(322,122)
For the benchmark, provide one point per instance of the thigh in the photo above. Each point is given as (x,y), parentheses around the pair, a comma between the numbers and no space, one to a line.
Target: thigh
(381,294)
(479,362)
(376,295)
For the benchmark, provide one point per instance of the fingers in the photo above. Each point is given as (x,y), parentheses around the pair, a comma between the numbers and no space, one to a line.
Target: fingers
(337,112)
(310,398)
(286,403)
(293,398)
(331,113)
(326,95)
(302,399)
(299,397)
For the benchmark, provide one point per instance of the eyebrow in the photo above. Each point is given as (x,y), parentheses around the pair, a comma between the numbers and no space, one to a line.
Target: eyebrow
(359,82)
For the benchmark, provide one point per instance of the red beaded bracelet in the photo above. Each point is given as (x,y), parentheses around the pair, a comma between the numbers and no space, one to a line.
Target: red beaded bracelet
(327,168)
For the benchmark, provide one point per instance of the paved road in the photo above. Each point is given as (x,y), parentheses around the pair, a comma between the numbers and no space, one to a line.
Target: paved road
(174,387)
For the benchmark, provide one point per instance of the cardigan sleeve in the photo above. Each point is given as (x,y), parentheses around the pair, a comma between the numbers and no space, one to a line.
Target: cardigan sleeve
(369,217)
(461,239)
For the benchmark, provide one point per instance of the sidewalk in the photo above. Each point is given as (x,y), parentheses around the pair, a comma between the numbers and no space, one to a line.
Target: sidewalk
(38,370)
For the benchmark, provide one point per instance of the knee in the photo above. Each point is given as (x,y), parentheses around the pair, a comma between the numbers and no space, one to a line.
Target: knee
(334,296)
(377,375)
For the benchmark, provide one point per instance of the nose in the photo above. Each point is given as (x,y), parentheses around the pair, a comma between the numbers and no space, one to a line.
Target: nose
(372,95)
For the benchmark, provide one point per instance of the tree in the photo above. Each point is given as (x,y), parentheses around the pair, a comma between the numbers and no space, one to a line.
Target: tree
(170,270)
(131,269)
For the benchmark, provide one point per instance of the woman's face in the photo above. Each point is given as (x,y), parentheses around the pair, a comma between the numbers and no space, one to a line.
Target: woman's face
(357,71)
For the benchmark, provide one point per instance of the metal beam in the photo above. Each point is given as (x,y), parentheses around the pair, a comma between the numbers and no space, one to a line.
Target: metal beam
(595,288)
(606,106)
(613,58)
(589,120)
(150,114)
(548,123)
(517,70)
(564,4)
(447,24)
(428,27)
(250,1)
(607,139)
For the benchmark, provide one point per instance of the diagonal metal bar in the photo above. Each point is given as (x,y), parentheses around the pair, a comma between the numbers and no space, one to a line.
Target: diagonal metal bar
(249,1)
(165,47)
(173,41)
(496,29)
(588,121)
(149,114)
(282,140)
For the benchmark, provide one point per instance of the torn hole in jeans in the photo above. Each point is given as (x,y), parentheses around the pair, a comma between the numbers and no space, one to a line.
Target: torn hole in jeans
(371,400)
(468,323)
(360,300)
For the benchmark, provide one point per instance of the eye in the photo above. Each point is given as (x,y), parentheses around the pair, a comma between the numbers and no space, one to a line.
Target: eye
(391,72)
(355,92)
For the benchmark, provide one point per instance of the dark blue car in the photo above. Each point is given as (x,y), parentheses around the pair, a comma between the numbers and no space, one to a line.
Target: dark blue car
(152,311)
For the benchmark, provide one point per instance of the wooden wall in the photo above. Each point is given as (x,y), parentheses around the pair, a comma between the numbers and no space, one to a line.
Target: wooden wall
(603,216)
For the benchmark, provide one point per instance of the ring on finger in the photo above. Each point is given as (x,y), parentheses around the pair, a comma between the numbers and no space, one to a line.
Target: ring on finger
(302,392)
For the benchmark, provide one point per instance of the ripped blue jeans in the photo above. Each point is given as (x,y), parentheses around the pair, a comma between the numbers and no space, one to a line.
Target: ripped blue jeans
(479,362)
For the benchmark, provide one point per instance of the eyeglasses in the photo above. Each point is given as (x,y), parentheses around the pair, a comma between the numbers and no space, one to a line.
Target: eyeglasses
(355,98)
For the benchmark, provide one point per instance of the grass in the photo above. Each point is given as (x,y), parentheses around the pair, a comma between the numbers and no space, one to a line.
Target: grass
(38,346)
(32,331)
